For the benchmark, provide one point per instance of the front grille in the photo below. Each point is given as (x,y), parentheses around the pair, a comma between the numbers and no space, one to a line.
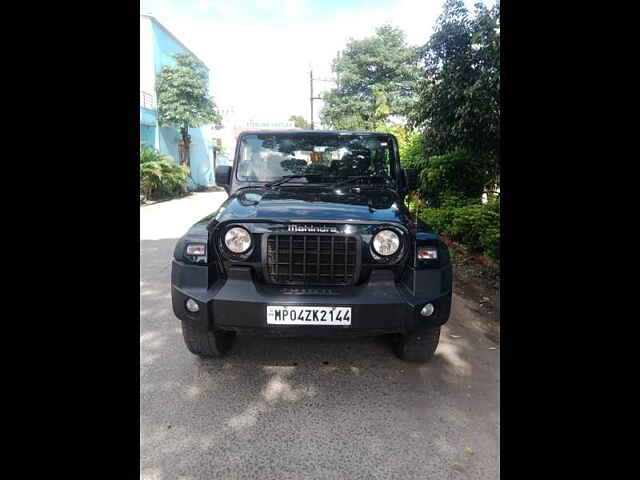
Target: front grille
(312,259)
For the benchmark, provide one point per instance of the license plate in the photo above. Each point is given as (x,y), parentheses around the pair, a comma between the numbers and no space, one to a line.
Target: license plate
(288,315)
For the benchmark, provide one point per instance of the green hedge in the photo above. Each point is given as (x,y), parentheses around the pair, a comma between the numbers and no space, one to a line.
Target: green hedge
(475,226)
(455,179)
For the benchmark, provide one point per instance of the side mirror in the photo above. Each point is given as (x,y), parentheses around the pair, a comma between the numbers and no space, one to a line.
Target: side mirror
(223,175)
(410,178)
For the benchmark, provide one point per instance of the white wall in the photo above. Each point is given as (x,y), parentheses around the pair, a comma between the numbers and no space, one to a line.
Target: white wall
(147,72)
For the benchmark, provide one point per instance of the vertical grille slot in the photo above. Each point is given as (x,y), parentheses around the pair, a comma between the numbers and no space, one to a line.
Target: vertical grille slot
(312,259)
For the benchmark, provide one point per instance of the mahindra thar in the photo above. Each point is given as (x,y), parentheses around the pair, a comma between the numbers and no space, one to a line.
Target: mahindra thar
(314,239)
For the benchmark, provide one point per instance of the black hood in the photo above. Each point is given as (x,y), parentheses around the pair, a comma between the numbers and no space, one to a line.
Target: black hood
(309,204)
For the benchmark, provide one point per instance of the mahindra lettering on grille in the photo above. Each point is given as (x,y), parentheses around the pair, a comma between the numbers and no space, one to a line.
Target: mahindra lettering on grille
(312,259)
(312,229)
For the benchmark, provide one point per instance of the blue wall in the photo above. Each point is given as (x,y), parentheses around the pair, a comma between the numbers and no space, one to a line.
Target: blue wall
(148,126)
(201,150)
(148,135)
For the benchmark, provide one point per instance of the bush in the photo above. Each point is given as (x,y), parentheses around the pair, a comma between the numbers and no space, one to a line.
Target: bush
(476,226)
(160,176)
(455,179)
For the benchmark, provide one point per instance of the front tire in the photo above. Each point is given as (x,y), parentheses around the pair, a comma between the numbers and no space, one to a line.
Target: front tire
(205,343)
(418,346)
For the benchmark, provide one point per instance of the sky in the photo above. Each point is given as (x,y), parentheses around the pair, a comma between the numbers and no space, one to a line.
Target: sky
(260,52)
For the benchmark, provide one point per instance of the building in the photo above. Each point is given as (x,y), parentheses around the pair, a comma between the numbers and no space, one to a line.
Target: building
(157,45)
(235,122)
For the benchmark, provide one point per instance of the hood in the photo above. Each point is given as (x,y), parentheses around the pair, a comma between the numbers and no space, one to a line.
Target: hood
(300,204)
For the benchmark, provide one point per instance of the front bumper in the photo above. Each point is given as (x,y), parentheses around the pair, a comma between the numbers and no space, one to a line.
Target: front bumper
(379,306)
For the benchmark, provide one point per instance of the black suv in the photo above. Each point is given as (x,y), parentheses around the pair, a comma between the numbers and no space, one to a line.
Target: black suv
(314,239)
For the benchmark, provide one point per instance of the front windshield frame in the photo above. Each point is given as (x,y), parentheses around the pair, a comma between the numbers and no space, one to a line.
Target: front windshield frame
(392,173)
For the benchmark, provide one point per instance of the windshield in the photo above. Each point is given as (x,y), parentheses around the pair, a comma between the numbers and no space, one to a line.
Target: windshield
(319,158)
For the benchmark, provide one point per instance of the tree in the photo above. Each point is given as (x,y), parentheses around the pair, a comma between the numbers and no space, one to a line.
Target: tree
(378,76)
(410,145)
(459,96)
(183,99)
(299,122)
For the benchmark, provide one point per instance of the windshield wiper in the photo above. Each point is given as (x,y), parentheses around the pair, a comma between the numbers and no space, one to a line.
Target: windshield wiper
(284,179)
(360,177)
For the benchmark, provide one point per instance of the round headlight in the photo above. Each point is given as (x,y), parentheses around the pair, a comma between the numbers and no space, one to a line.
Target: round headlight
(237,239)
(386,242)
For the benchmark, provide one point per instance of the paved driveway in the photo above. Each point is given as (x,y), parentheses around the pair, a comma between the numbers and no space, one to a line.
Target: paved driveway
(306,408)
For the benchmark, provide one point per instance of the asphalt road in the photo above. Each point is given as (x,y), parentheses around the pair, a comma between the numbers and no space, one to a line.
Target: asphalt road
(306,408)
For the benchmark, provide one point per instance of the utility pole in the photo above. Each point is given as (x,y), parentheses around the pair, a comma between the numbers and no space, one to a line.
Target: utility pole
(311,97)
(338,72)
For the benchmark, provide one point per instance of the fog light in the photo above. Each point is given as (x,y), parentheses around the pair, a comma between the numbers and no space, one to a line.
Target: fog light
(192,305)
(427,310)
